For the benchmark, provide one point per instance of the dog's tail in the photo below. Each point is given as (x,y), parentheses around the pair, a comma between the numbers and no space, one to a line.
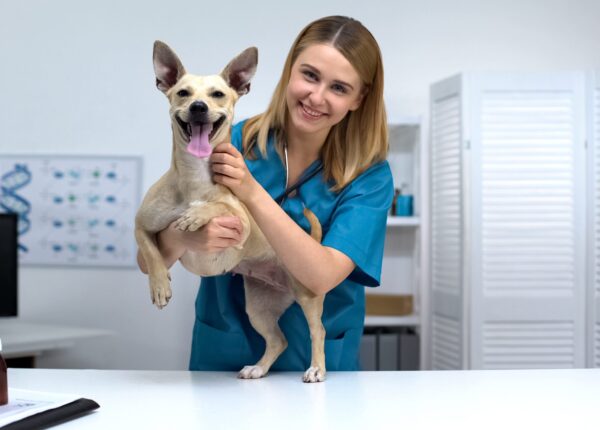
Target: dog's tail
(316,232)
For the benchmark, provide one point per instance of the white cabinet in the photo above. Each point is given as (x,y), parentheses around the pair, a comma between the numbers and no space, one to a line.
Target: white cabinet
(508,222)
(404,261)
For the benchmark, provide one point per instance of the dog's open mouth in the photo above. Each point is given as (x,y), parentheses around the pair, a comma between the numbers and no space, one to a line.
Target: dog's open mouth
(199,136)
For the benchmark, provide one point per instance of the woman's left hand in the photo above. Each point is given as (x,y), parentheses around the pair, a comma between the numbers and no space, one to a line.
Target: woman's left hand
(229,169)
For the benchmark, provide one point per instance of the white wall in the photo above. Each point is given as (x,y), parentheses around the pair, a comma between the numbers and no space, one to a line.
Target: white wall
(76,78)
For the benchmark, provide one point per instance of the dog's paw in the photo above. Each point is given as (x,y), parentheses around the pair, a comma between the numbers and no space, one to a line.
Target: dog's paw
(160,291)
(252,372)
(184,223)
(314,374)
(191,220)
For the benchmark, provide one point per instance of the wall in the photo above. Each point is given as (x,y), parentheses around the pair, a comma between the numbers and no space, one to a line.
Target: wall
(76,78)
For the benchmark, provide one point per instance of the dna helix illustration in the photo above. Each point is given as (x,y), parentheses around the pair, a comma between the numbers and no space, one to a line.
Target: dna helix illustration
(11,202)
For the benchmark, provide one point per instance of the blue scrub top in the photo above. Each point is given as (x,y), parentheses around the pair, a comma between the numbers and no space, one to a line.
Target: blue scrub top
(353,222)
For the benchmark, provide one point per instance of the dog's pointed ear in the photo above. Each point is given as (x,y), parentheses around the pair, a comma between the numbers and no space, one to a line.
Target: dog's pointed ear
(167,66)
(240,71)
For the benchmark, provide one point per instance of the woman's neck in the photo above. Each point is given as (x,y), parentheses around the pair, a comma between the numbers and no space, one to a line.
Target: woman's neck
(303,147)
(302,151)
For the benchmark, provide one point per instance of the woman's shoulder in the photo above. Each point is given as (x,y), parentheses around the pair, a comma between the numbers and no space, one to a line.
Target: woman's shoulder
(381,168)
(237,134)
(377,175)
(374,186)
(237,139)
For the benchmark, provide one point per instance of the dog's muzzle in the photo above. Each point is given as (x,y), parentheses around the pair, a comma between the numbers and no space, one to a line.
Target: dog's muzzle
(198,115)
(199,129)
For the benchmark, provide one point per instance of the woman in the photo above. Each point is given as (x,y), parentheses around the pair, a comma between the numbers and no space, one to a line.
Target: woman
(326,131)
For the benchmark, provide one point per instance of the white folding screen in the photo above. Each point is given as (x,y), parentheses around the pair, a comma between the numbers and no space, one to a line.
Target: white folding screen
(594,219)
(528,220)
(447,347)
(522,244)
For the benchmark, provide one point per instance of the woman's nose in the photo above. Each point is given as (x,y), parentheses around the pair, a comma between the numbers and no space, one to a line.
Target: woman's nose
(317,95)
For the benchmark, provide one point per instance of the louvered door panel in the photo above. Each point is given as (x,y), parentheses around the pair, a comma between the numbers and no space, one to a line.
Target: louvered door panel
(527,210)
(594,295)
(446,226)
(522,345)
(446,336)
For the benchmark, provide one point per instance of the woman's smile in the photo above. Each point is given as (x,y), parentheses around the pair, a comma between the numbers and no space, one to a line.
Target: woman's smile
(309,112)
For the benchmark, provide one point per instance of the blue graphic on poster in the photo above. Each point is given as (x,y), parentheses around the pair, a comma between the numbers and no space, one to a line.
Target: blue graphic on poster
(72,210)
(11,201)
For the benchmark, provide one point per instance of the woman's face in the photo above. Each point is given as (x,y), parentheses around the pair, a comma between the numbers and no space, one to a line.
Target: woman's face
(323,87)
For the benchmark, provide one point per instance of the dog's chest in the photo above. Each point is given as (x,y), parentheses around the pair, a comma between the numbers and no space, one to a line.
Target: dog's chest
(194,180)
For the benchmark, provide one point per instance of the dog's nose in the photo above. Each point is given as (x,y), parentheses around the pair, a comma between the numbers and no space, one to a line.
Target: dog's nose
(198,107)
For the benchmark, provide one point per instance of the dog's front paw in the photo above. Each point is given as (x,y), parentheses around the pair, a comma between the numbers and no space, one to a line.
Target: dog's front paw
(314,374)
(191,220)
(160,291)
(252,372)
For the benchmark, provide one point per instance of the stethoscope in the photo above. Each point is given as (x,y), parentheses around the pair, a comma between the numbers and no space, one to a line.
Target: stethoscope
(281,198)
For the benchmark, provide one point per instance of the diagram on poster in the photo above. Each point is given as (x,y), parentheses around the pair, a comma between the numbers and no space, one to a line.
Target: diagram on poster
(73,210)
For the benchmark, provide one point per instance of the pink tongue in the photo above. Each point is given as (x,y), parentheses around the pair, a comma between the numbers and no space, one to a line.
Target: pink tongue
(199,146)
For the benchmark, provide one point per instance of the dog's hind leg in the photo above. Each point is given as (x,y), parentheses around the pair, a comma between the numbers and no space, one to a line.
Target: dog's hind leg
(312,306)
(265,305)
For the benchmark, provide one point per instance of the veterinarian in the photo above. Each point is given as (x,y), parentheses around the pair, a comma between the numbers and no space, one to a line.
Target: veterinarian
(324,135)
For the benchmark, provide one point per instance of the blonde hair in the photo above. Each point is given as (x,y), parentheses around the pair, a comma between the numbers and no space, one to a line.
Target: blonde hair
(361,138)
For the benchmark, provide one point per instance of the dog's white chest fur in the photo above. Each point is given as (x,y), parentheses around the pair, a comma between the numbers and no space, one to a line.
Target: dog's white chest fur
(193,177)
(187,181)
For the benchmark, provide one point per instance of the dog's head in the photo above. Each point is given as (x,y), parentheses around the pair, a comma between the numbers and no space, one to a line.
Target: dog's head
(202,106)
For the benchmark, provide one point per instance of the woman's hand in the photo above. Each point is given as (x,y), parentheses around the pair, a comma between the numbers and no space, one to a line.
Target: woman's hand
(229,169)
(217,235)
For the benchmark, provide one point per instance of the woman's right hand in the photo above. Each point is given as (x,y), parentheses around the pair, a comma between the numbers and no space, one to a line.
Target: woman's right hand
(217,235)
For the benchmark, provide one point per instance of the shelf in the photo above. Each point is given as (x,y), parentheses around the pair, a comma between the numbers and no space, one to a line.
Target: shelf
(403,221)
(400,321)
(405,120)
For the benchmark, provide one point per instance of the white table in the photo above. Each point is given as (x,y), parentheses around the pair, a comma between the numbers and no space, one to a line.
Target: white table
(482,400)
(25,339)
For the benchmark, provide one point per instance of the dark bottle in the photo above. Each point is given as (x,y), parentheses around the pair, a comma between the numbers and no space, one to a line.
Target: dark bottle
(3,379)
(394,202)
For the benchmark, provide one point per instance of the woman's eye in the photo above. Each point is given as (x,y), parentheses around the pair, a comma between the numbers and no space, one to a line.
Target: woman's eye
(339,88)
(310,75)
(183,93)
(217,94)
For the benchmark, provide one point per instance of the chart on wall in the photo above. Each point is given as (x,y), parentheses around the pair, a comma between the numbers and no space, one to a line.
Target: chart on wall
(72,210)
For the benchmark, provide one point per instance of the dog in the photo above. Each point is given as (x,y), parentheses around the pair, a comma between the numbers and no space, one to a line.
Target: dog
(201,112)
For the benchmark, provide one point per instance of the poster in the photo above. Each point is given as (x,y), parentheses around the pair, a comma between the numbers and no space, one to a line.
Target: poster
(73,210)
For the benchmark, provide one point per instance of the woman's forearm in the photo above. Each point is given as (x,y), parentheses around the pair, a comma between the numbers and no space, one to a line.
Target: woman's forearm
(170,244)
(317,267)
(217,235)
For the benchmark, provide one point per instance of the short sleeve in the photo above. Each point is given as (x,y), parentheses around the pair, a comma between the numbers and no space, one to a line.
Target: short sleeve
(358,222)
(236,135)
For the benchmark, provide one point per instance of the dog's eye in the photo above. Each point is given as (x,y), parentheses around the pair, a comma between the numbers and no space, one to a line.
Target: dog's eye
(183,93)
(217,94)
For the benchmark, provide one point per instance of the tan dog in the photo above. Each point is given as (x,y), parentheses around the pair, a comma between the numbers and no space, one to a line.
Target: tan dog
(201,117)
